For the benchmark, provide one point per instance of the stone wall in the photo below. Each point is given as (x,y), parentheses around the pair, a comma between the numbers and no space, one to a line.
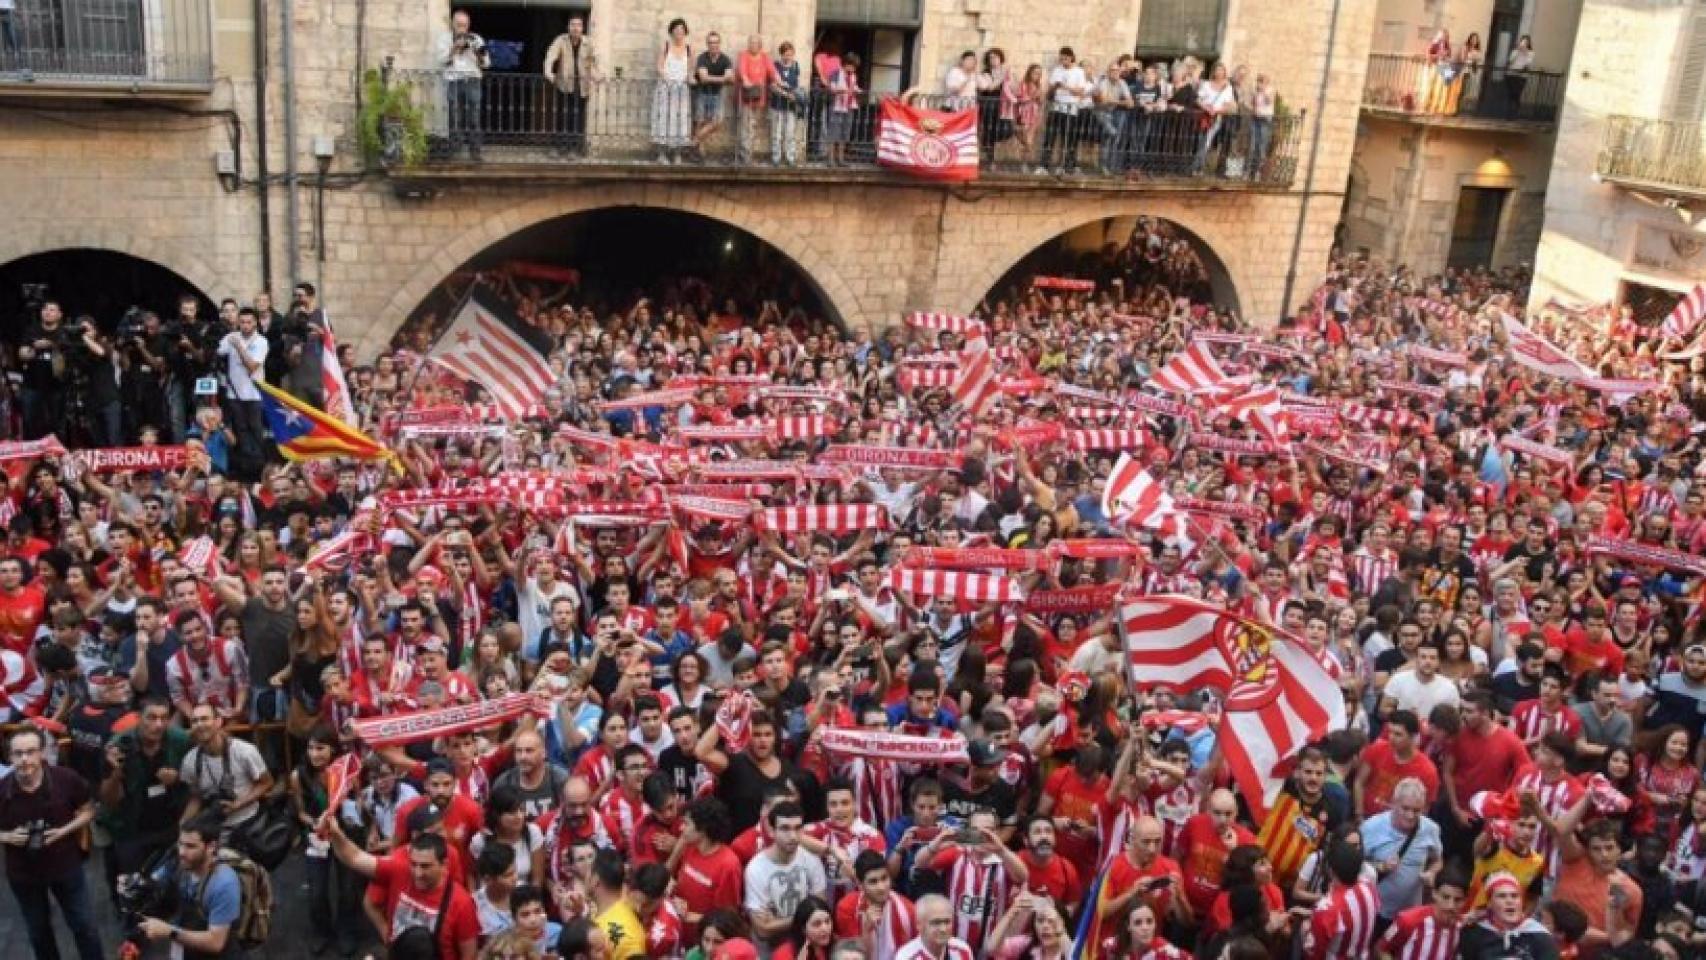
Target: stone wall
(141,180)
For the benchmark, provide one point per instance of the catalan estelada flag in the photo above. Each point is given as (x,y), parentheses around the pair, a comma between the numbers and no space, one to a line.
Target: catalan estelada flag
(304,433)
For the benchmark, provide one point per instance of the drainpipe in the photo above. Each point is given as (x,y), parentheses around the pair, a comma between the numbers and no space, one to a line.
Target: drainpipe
(287,40)
(1309,173)
(262,171)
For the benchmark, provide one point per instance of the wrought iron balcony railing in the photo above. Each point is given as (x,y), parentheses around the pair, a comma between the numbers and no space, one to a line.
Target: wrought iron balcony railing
(1663,154)
(1416,86)
(510,118)
(137,45)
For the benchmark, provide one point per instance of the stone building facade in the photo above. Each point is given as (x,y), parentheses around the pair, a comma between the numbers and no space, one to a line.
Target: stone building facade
(136,169)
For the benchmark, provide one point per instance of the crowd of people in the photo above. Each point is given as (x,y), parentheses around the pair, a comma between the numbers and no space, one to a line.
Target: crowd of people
(1124,117)
(697,766)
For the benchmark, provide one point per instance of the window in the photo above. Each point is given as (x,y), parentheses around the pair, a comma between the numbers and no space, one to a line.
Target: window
(1689,96)
(1175,28)
(884,33)
(894,13)
(519,32)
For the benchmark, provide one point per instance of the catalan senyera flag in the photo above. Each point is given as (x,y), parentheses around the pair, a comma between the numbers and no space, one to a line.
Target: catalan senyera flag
(304,433)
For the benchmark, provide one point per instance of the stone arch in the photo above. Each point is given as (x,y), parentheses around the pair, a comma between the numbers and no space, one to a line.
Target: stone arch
(166,255)
(785,237)
(1225,250)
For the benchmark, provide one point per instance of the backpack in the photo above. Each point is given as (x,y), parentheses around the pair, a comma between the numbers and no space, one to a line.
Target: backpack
(254,918)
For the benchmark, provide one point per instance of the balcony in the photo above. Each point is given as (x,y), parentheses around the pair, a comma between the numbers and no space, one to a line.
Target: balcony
(1663,156)
(530,130)
(1482,97)
(102,47)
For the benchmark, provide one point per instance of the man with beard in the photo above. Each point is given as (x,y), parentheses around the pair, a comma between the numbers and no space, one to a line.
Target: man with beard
(462,817)
(1051,875)
(210,898)
(983,789)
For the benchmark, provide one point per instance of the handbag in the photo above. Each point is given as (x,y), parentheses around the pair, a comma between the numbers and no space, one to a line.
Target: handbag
(266,837)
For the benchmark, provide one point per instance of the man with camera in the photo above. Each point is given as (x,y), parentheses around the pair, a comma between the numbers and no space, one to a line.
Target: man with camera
(43,810)
(42,359)
(226,775)
(145,339)
(190,361)
(204,897)
(245,353)
(465,61)
(144,793)
(306,330)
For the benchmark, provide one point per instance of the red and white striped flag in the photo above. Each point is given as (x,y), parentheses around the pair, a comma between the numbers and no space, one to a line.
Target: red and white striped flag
(1279,695)
(976,385)
(1133,497)
(1686,316)
(488,345)
(944,322)
(332,382)
(1191,370)
(1109,439)
(201,556)
(976,587)
(1262,410)
(824,518)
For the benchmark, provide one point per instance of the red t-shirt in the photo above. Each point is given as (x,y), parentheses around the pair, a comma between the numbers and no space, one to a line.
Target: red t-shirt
(1220,917)
(1080,803)
(707,882)
(1582,654)
(20,614)
(406,907)
(1487,761)
(1202,855)
(1384,772)
(462,820)
(848,925)
(1123,875)
(1058,878)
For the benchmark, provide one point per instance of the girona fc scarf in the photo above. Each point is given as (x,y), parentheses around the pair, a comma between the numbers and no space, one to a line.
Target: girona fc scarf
(975,558)
(734,720)
(897,929)
(407,728)
(1646,553)
(824,518)
(1069,284)
(928,144)
(944,322)
(1093,549)
(1221,508)
(1536,449)
(896,457)
(901,747)
(1091,600)
(48,446)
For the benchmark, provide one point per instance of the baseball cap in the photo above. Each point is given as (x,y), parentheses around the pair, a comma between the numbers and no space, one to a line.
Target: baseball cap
(425,817)
(739,948)
(985,754)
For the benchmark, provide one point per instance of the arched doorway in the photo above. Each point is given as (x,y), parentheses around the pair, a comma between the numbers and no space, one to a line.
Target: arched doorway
(607,258)
(1139,250)
(101,284)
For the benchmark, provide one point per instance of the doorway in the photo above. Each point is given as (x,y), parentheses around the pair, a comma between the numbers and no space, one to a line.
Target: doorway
(1475,232)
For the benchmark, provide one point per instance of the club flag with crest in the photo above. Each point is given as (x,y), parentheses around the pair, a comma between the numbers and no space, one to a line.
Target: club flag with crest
(342,775)
(304,433)
(1279,695)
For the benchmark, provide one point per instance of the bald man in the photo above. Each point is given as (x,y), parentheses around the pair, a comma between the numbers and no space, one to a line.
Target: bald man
(936,940)
(1204,842)
(1141,871)
(533,776)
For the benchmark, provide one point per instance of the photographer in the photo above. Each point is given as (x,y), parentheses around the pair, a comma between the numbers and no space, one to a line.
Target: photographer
(307,329)
(144,794)
(245,353)
(465,61)
(226,775)
(43,810)
(205,898)
(98,363)
(43,363)
(147,344)
(190,359)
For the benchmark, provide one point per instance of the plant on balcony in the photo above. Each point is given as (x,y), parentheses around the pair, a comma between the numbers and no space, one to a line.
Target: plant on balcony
(393,129)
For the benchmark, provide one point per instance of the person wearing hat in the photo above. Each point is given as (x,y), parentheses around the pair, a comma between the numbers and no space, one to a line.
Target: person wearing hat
(1507,929)
(984,789)
(432,665)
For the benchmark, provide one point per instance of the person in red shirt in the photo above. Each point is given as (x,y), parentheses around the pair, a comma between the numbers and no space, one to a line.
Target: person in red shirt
(1482,756)
(1141,872)
(1072,796)
(1390,759)
(1590,647)
(462,817)
(1203,845)
(1534,719)
(660,828)
(22,607)
(874,913)
(708,874)
(412,887)
(1052,875)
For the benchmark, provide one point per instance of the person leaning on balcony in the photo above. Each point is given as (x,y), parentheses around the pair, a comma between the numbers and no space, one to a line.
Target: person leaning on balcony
(1466,85)
(1517,65)
(1440,72)
(997,95)
(754,75)
(572,66)
(1262,102)
(787,104)
(464,57)
(672,117)
(1069,93)
(711,73)
(959,86)
(1113,103)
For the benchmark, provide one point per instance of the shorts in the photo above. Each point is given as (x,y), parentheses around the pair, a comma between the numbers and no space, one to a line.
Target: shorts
(838,126)
(708,107)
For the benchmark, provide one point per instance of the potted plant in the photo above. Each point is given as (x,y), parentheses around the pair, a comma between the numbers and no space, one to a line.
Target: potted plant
(393,131)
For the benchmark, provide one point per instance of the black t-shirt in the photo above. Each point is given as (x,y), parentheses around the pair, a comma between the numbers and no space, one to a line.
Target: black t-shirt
(38,370)
(716,66)
(742,785)
(1390,660)
(266,637)
(1535,569)
(1510,689)
(683,771)
(54,803)
(999,798)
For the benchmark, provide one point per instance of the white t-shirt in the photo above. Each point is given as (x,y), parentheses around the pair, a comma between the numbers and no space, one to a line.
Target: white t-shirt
(1410,693)
(245,767)
(1070,86)
(534,606)
(780,887)
(234,348)
(523,851)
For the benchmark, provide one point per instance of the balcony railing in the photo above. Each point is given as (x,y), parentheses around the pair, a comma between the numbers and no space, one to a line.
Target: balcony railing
(516,118)
(1657,153)
(162,45)
(1413,85)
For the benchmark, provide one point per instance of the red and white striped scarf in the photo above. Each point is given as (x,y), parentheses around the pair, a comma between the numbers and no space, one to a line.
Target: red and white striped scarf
(899,747)
(421,725)
(1645,553)
(944,322)
(824,518)
(975,587)
(1109,439)
(863,455)
(734,720)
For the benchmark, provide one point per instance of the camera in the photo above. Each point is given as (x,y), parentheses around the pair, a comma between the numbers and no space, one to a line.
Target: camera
(139,896)
(130,324)
(220,799)
(37,835)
